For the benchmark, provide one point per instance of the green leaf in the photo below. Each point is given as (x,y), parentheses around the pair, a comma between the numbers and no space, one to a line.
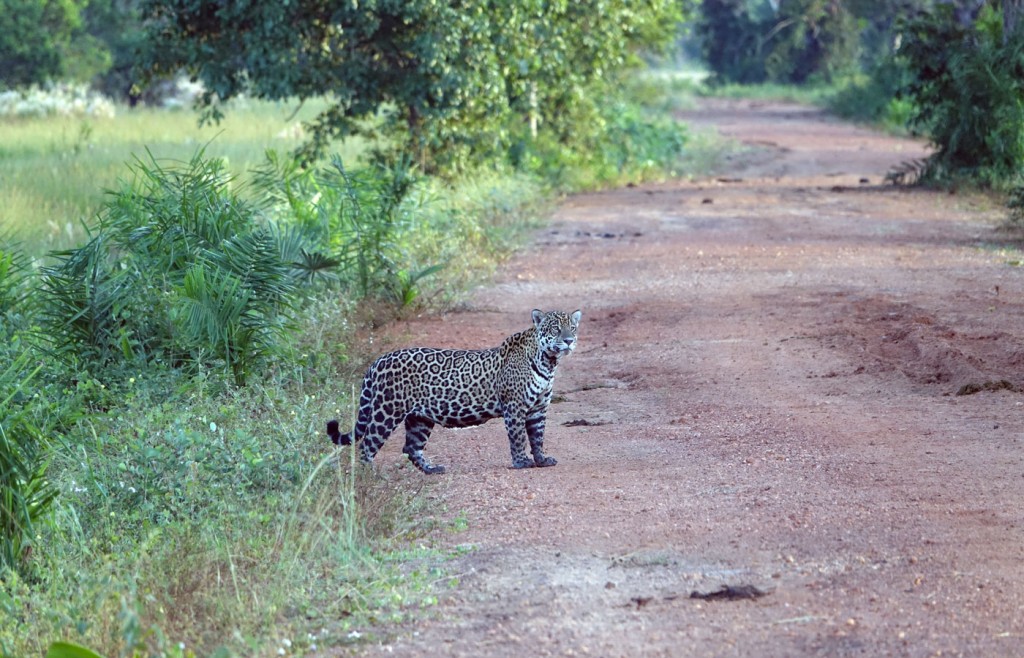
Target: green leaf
(68,650)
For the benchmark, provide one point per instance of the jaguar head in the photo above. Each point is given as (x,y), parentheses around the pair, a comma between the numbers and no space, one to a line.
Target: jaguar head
(556,331)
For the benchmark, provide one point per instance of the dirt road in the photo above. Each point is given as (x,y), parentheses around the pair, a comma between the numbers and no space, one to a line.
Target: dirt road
(765,394)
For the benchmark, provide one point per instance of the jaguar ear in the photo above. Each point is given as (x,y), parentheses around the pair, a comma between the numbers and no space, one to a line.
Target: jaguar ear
(576,318)
(538,317)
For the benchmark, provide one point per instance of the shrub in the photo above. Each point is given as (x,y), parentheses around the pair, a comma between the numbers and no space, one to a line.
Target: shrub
(180,271)
(792,41)
(361,217)
(872,97)
(966,86)
(55,100)
(623,143)
(15,270)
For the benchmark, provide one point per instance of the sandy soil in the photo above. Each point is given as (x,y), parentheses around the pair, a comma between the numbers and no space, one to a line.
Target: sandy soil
(765,394)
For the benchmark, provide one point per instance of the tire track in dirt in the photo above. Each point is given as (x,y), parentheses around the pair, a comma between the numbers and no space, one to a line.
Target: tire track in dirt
(764,394)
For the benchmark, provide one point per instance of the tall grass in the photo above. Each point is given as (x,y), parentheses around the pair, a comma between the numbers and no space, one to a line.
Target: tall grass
(54,170)
(224,525)
(26,494)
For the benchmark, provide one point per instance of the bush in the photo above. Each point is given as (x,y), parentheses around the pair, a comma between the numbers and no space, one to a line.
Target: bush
(624,142)
(55,100)
(217,521)
(28,423)
(360,217)
(180,271)
(873,97)
(15,270)
(966,85)
(792,41)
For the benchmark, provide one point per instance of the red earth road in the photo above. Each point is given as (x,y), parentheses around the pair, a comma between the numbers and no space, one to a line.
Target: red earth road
(765,394)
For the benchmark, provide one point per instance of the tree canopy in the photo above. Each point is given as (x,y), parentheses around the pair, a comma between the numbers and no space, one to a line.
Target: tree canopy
(436,76)
(34,39)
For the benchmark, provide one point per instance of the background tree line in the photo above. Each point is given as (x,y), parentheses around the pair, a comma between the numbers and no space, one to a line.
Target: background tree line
(953,67)
(452,83)
(459,83)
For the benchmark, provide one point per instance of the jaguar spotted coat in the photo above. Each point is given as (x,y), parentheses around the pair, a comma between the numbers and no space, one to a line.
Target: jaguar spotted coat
(424,387)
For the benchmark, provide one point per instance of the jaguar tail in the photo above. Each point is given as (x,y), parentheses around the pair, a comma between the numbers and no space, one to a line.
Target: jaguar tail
(336,436)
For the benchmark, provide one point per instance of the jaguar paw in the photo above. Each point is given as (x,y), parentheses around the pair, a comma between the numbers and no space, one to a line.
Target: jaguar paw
(546,461)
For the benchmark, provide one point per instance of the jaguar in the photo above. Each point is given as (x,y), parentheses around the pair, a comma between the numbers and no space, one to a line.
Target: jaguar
(423,387)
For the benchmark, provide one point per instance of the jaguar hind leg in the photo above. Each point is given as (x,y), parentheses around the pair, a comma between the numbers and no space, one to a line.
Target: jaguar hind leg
(417,431)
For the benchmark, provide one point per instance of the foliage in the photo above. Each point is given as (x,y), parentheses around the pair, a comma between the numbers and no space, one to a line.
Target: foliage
(180,270)
(966,86)
(732,35)
(14,274)
(627,144)
(54,100)
(42,41)
(26,494)
(797,41)
(68,650)
(873,97)
(116,27)
(190,522)
(359,217)
(811,38)
(35,37)
(443,80)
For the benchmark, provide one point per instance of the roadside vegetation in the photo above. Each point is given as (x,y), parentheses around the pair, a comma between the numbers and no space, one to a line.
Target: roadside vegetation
(947,71)
(181,310)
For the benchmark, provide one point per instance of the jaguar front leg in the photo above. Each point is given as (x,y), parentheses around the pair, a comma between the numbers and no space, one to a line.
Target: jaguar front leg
(515,424)
(535,423)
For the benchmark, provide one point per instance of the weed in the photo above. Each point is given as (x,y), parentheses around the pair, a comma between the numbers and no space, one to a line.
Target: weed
(25,492)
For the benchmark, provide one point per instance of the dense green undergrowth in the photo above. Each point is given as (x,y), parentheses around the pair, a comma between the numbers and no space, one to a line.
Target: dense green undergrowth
(167,486)
(170,380)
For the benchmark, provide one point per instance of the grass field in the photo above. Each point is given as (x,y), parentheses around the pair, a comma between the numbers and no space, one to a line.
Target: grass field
(54,171)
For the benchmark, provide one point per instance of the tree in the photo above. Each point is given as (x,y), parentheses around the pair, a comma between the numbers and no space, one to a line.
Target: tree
(791,41)
(438,77)
(964,63)
(116,25)
(732,33)
(35,36)
(811,39)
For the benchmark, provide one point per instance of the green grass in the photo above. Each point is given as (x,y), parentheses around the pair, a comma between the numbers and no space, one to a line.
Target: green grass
(855,98)
(808,94)
(219,522)
(54,170)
